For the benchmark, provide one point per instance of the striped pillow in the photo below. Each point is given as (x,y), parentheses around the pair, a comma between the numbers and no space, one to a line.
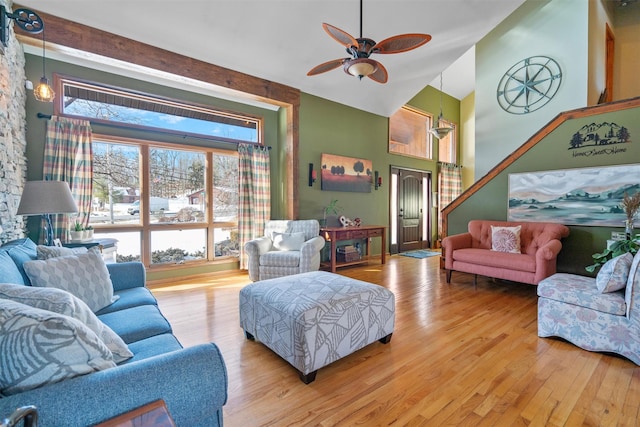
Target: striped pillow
(39,347)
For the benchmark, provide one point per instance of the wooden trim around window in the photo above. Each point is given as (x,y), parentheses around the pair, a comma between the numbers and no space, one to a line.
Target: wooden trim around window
(63,34)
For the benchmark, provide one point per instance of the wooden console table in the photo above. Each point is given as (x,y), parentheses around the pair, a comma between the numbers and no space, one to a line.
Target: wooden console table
(335,234)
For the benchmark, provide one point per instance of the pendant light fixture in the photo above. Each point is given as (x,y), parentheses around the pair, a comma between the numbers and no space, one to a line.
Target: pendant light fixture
(28,21)
(43,92)
(440,130)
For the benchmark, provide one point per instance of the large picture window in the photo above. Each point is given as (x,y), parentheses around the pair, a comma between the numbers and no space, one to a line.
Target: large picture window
(165,203)
(166,214)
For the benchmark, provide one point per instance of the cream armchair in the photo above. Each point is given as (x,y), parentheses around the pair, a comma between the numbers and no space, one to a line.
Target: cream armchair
(287,247)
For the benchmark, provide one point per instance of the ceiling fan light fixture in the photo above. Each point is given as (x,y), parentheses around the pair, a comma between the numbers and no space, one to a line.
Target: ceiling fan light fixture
(359,64)
(360,67)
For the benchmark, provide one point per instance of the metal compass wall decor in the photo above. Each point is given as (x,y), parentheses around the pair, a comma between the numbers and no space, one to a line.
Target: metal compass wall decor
(529,84)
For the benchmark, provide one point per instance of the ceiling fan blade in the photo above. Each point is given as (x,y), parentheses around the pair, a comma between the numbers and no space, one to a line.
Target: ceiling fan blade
(340,36)
(401,43)
(326,66)
(380,75)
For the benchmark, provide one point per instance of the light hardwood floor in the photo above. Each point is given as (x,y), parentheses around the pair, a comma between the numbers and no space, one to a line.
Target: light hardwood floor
(459,356)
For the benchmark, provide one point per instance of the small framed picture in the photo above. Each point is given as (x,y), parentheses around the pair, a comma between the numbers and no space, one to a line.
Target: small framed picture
(57,242)
(618,235)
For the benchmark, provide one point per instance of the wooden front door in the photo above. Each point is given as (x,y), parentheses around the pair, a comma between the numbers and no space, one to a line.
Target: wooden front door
(412,213)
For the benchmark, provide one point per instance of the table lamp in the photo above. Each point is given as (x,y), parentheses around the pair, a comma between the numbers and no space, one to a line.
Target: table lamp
(46,198)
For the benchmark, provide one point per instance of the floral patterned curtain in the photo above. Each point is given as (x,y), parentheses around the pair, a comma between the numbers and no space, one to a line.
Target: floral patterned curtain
(254,195)
(68,157)
(449,187)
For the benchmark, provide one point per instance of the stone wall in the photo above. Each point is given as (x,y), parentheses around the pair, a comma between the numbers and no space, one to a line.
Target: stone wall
(13,142)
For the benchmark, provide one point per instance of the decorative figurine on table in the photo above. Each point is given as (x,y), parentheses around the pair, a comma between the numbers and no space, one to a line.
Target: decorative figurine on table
(348,222)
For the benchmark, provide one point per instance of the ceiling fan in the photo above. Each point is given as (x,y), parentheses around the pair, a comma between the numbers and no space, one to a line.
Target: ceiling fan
(359,64)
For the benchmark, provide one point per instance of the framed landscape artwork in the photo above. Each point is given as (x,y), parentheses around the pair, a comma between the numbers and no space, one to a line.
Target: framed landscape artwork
(585,196)
(339,173)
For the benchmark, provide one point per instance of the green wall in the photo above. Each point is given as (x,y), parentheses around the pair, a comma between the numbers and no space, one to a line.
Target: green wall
(325,127)
(553,153)
(332,128)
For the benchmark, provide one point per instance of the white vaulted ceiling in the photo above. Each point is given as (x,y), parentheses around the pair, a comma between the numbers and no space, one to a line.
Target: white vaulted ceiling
(280,40)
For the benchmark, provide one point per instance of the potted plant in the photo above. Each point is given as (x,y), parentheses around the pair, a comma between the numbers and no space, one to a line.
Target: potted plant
(332,209)
(88,232)
(77,232)
(619,247)
(630,206)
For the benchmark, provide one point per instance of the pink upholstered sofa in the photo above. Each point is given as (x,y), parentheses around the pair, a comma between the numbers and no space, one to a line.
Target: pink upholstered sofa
(471,252)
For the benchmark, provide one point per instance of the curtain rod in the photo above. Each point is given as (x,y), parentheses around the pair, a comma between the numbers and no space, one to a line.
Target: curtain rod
(48,116)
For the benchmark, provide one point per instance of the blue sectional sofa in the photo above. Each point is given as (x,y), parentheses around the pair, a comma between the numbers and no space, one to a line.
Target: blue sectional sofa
(192,381)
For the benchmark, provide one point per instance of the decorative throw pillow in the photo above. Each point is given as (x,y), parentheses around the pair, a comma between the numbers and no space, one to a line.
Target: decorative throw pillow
(46,252)
(9,271)
(614,274)
(85,276)
(38,347)
(505,239)
(288,241)
(62,302)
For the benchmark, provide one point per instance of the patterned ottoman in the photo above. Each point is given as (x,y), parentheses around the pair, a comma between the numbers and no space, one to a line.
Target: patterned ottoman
(313,319)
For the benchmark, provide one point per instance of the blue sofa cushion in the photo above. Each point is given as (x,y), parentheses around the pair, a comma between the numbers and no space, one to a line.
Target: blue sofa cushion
(137,323)
(153,346)
(125,275)
(128,298)
(9,272)
(21,251)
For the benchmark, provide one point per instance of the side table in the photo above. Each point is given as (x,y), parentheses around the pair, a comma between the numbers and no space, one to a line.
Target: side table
(107,247)
(335,234)
(154,414)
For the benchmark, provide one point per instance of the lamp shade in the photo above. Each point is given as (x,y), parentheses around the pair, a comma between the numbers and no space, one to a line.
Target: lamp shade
(46,197)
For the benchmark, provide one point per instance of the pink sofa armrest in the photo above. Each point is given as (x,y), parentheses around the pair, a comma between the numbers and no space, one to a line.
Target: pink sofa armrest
(451,243)
(546,259)
(549,251)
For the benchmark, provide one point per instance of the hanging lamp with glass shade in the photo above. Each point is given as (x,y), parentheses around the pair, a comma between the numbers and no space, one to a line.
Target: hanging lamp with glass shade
(440,130)
(43,92)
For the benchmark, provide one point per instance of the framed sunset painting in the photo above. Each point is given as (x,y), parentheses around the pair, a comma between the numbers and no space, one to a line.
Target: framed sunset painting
(339,173)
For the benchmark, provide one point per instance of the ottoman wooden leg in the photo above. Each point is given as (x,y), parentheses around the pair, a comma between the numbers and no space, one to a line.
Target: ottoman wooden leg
(386,340)
(248,336)
(309,378)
